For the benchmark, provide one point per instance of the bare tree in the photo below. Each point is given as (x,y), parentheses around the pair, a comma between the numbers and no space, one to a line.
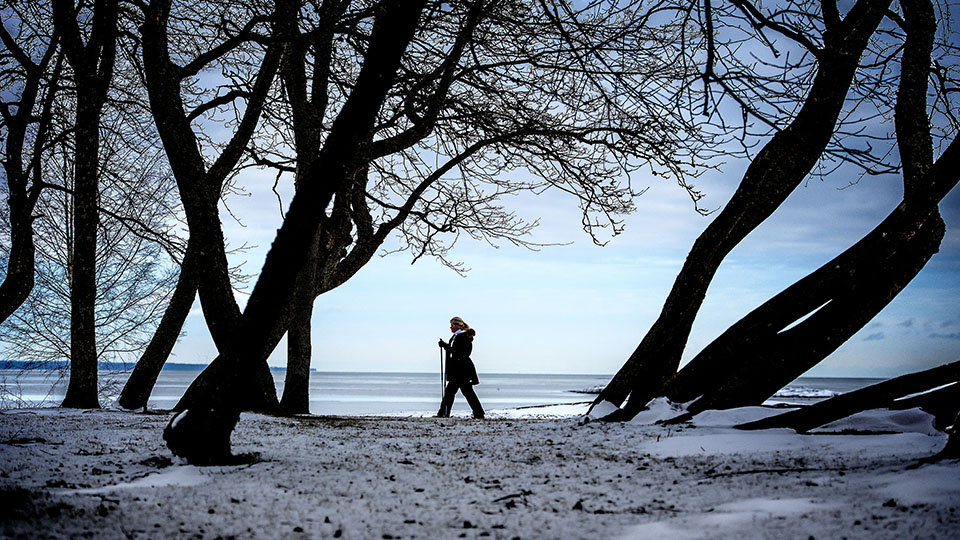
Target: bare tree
(777,169)
(422,143)
(519,89)
(31,70)
(132,279)
(177,45)
(92,62)
(135,205)
(202,432)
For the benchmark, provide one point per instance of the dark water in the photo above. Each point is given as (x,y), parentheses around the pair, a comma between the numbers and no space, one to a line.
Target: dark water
(339,393)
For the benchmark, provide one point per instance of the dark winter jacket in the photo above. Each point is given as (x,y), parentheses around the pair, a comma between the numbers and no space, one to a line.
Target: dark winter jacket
(460,368)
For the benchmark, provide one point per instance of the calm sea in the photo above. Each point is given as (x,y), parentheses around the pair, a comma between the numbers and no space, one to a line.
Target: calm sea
(339,393)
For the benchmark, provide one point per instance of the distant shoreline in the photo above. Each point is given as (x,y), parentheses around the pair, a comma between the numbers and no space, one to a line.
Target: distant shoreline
(108,366)
(177,366)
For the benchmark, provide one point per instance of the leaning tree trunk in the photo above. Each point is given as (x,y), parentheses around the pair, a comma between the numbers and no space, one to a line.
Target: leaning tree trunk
(201,433)
(778,169)
(21,198)
(872,397)
(762,352)
(799,327)
(326,268)
(943,403)
(136,392)
(200,187)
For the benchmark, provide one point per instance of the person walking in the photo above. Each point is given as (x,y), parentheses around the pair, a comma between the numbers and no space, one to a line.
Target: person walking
(461,373)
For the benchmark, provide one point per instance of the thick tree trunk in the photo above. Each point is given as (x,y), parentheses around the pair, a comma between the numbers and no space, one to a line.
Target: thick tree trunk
(798,328)
(872,397)
(201,433)
(18,282)
(82,390)
(296,386)
(199,187)
(136,392)
(93,65)
(762,352)
(782,164)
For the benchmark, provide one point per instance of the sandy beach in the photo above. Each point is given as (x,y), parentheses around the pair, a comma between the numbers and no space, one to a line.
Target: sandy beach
(107,474)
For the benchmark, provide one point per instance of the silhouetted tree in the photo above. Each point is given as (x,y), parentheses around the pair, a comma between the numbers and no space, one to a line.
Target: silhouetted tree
(31,70)
(204,37)
(775,344)
(92,64)
(463,118)
(133,205)
(424,118)
(133,276)
(798,328)
(201,433)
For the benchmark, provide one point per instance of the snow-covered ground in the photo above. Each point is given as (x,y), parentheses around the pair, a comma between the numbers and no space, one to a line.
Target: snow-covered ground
(528,473)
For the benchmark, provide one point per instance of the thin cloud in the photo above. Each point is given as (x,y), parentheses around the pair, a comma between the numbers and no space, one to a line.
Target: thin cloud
(875,337)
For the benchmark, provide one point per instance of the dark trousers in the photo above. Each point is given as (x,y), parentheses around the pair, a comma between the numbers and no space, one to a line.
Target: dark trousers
(451,392)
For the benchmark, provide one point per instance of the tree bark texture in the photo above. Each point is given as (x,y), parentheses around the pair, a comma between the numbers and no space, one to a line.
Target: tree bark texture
(778,169)
(202,431)
(93,65)
(872,397)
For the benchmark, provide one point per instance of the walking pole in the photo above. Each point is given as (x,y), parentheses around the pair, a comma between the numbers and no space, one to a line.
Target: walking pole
(442,381)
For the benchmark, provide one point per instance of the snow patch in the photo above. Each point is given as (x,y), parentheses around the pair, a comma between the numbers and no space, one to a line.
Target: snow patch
(658,409)
(734,417)
(602,409)
(725,519)
(884,420)
(930,482)
(182,476)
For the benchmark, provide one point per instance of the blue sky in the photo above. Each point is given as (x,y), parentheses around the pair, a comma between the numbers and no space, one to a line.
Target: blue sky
(580,308)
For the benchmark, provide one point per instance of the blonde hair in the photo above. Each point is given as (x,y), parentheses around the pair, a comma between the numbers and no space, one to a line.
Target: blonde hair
(459,322)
